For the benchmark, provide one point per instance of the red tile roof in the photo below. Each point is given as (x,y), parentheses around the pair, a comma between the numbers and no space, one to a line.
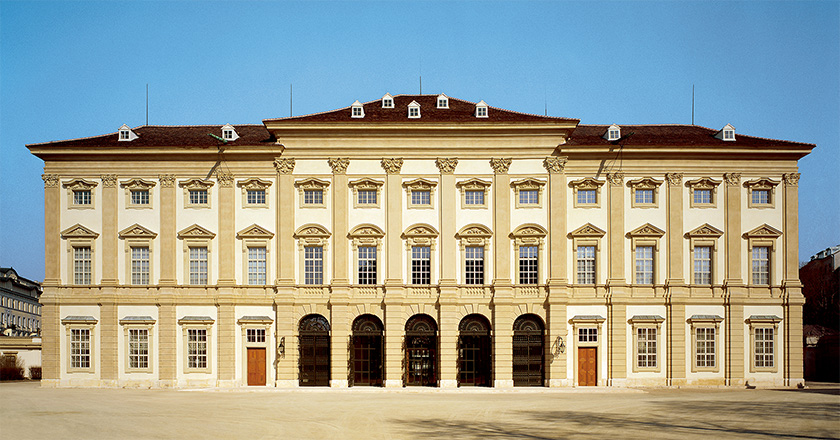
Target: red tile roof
(670,135)
(174,136)
(459,111)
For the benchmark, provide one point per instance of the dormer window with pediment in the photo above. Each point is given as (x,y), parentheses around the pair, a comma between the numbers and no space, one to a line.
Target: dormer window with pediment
(414,110)
(587,192)
(387,101)
(420,193)
(761,192)
(474,193)
(703,192)
(481,109)
(229,133)
(613,133)
(357,110)
(644,192)
(313,192)
(126,134)
(442,101)
(727,133)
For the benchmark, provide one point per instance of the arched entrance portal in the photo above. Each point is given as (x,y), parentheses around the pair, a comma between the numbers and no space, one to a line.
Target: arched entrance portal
(474,350)
(421,351)
(528,352)
(314,350)
(367,351)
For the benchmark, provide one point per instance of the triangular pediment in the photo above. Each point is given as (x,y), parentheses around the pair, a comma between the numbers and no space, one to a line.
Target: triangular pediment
(474,230)
(367,230)
(137,231)
(255,231)
(312,230)
(420,230)
(764,230)
(706,230)
(646,230)
(78,231)
(588,230)
(195,231)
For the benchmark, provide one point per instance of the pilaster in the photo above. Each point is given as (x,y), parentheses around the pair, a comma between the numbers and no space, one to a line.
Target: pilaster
(732,231)
(448,207)
(339,340)
(285,223)
(394,334)
(675,229)
(108,339)
(50,335)
(676,349)
(109,230)
(501,222)
(393,221)
(794,300)
(448,337)
(617,327)
(735,340)
(555,360)
(226,329)
(168,213)
(52,234)
(227,230)
(557,241)
(287,358)
(339,220)
(503,342)
(167,328)
(616,229)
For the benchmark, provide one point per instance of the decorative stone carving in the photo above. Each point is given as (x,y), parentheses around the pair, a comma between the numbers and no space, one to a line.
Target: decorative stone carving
(732,179)
(137,184)
(646,183)
(674,179)
(615,179)
(420,235)
(703,183)
(50,180)
(474,235)
(78,231)
(446,165)
(500,166)
(392,165)
(554,164)
(588,230)
(167,180)
(254,231)
(586,183)
(80,184)
(253,184)
(109,180)
(136,231)
(312,235)
(791,179)
(646,230)
(764,231)
(366,235)
(705,230)
(419,184)
(195,184)
(761,183)
(528,235)
(339,165)
(225,179)
(284,165)
(195,231)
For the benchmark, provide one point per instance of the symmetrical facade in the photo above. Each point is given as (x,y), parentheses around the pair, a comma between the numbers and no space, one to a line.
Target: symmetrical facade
(421,240)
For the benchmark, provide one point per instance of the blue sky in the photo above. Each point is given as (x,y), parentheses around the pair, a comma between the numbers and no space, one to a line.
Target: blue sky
(75,69)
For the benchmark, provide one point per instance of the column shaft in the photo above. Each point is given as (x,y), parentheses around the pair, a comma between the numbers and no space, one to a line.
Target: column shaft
(167,356)
(108,338)
(109,230)
(168,225)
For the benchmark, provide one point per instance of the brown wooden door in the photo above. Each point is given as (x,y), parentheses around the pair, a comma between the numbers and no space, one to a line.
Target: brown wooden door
(587,366)
(256,366)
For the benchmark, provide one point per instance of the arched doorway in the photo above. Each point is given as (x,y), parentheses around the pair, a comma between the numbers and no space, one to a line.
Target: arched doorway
(528,351)
(421,351)
(366,360)
(314,349)
(474,349)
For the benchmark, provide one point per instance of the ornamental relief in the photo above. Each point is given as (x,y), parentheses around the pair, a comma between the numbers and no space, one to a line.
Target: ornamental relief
(366,184)
(167,180)
(312,235)
(339,165)
(109,180)
(761,183)
(419,184)
(284,165)
(392,165)
(646,230)
(529,230)
(500,166)
(254,231)
(732,179)
(703,183)
(195,184)
(50,180)
(588,230)
(645,183)
(311,183)
(791,179)
(764,230)
(253,183)
(615,179)
(473,184)
(80,184)
(674,179)
(555,165)
(195,231)
(420,235)
(136,231)
(78,231)
(446,165)
(474,235)
(139,184)
(528,183)
(705,230)
(586,183)
(225,179)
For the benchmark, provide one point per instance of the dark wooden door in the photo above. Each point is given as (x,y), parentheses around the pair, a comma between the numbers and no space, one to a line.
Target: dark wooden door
(256,366)
(420,361)
(367,360)
(587,366)
(528,359)
(314,361)
(474,362)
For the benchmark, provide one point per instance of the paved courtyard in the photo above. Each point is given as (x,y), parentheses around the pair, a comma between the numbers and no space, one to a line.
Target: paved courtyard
(31,412)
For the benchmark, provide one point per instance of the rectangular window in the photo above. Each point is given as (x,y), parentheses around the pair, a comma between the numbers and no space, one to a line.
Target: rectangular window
(123,134)
(586,264)
(367,197)
(705,339)
(227,134)
(764,347)
(198,265)
(197,348)
(760,197)
(81,265)
(528,264)
(138,348)
(443,103)
(313,265)
(588,334)
(198,197)
(367,264)
(313,197)
(729,135)
(644,196)
(472,197)
(644,264)
(529,197)
(646,347)
(82,197)
(413,112)
(255,197)
(481,112)
(613,134)
(761,265)
(702,196)
(421,265)
(587,197)
(421,197)
(702,265)
(357,111)
(139,197)
(474,265)
(80,348)
(140,265)
(256,266)
(255,335)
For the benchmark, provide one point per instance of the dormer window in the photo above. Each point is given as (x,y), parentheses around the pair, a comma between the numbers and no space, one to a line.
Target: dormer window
(481,110)
(442,101)
(357,111)
(613,133)
(387,101)
(125,134)
(727,133)
(414,110)
(229,133)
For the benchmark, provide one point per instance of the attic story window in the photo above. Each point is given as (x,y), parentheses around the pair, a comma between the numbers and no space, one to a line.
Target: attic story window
(357,112)
(387,103)
(413,112)
(124,134)
(481,112)
(729,135)
(614,134)
(443,103)
(227,134)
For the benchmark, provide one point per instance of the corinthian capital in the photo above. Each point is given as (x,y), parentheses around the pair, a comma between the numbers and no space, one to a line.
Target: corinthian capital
(109,180)
(339,165)
(554,164)
(446,165)
(674,179)
(500,166)
(791,179)
(732,179)
(615,179)
(50,180)
(284,165)
(392,165)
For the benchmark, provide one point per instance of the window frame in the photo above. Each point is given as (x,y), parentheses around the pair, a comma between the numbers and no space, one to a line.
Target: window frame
(764,322)
(206,324)
(763,236)
(255,236)
(588,235)
(646,235)
(705,184)
(644,183)
(313,235)
(586,184)
(86,323)
(197,185)
(424,235)
(367,236)
(419,184)
(366,184)
(78,185)
(254,184)
(528,184)
(312,184)
(146,323)
(705,322)
(475,236)
(761,184)
(647,322)
(136,185)
(475,184)
(529,234)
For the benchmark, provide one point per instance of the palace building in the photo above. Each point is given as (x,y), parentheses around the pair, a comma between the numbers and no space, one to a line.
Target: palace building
(421,240)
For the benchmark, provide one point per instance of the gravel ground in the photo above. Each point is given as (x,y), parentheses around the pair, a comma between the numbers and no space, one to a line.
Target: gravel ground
(31,412)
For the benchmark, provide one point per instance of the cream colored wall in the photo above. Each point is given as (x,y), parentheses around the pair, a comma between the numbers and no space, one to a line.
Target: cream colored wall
(122,349)
(469,168)
(635,217)
(720,343)
(79,378)
(263,217)
(752,218)
(695,217)
(149,218)
(191,379)
(765,378)
(207,218)
(90,218)
(320,169)
(577,217)
(661,345)
(411,216)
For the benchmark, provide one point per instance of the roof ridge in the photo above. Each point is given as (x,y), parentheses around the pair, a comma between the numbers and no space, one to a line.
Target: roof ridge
(698,126)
